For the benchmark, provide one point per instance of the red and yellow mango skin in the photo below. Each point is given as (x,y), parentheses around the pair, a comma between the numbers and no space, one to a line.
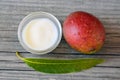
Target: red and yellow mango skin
(84,32)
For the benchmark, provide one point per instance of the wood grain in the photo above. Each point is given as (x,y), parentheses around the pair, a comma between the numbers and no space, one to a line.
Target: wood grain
(13,11)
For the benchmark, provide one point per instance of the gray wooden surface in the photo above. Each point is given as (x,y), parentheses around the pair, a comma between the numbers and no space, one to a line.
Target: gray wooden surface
(13,11)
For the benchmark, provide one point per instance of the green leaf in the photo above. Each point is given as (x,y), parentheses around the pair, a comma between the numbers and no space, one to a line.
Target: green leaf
(60,66)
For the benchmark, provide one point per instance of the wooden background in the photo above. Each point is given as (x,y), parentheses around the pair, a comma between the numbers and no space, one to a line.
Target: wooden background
(13,11)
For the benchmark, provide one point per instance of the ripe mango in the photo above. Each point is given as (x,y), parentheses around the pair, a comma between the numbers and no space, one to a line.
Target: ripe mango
(84,32)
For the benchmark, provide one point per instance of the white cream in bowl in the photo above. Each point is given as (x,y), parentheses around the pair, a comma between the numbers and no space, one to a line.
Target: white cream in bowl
(40,34)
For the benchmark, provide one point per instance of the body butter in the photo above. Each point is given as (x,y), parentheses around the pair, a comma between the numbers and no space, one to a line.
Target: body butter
(40,34)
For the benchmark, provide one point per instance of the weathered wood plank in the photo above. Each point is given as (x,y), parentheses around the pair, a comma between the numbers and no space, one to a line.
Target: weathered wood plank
(10,37)
(10,61)
(94,73)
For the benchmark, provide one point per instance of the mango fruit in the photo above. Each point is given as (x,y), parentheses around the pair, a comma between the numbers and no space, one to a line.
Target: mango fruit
(84,32)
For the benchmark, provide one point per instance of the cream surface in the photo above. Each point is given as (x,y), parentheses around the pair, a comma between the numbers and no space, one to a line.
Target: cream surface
(40,34)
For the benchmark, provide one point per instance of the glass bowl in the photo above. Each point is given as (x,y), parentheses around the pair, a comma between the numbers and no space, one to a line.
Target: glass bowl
(36,15)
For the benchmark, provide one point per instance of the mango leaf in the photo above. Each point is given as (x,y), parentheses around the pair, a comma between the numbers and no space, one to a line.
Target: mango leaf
(60,66)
